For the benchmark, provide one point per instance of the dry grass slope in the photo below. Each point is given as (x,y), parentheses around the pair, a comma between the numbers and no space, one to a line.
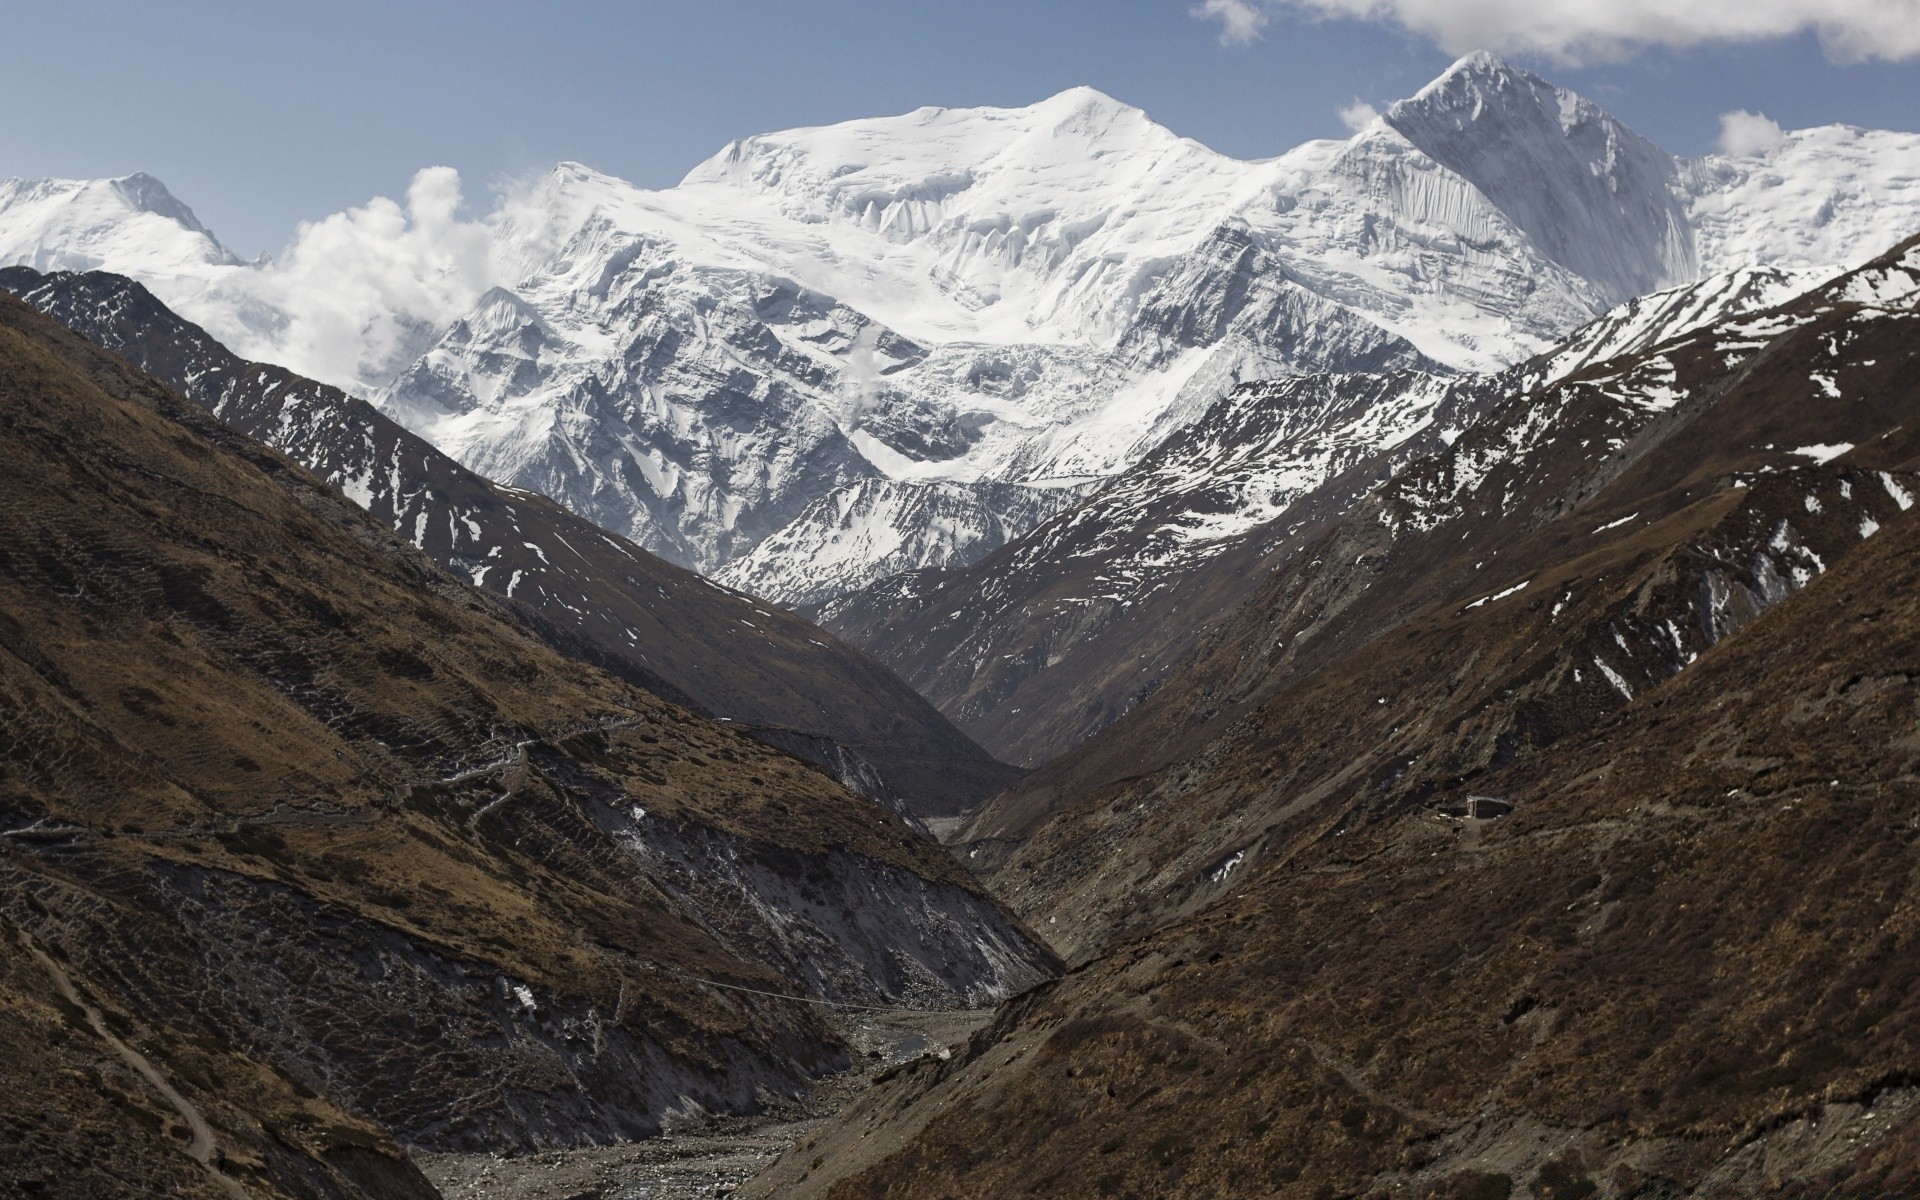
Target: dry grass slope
(351,856)
(1688,964)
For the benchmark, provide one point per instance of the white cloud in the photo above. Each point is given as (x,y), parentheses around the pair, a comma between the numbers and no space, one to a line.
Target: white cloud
(1240,20)
(1358,115)
(353,296)
(1744,134)
(1589,30)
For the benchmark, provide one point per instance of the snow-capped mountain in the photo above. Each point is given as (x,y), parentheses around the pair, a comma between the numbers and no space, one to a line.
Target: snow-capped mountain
(956,298)
(351,301)
(1591,195)
(1041,645)
(79,225)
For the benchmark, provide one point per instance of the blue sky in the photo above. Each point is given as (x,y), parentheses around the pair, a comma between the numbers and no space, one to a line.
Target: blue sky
(262,114)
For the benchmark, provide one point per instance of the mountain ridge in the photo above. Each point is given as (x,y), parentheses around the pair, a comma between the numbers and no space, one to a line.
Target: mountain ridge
(936,297)
(593,596)
(290,809)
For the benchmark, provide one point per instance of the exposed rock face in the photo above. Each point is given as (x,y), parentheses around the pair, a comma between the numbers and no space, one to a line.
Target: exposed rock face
(349,855)
(591,594)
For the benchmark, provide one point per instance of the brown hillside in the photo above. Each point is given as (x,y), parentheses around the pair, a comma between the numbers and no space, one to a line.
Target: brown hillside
(349,855)
(589,593)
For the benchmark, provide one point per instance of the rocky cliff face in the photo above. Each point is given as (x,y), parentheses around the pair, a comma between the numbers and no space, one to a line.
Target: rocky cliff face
(346,855)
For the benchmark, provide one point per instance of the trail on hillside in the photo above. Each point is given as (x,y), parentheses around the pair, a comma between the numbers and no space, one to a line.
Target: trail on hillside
(202,1147)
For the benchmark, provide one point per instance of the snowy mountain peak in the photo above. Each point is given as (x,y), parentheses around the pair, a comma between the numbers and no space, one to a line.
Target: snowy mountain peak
(1483,90)
(1479,72)
(569,176)
(131,224)
(1595,196)
(147,194)
(932,153)
(1091,112)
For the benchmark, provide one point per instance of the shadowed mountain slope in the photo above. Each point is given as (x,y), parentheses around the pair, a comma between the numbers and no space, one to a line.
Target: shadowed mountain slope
(1687,964)
(345,854)
(1648,505)
(590,593)
(1042,645)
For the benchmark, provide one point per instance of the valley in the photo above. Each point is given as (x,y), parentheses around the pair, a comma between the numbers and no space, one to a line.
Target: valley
(715,1157)
(987,652)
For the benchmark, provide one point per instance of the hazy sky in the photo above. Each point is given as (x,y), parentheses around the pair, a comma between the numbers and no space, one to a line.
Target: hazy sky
(263,114)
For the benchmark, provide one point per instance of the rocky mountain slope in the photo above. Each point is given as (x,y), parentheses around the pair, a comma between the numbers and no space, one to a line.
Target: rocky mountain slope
(591,594)
(1642,508)
(964,299)
(1037,648)
(1587,873)
(1041,645)
(310,848)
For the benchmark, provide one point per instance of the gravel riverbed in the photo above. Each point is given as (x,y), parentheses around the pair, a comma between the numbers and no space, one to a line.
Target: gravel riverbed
(709,1159)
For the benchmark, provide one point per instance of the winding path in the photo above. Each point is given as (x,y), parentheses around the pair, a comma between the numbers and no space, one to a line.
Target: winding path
(202,1148)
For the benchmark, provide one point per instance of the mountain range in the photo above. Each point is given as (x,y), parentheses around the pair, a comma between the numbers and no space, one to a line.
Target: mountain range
(1447,596)
(1545,828)
(875,346)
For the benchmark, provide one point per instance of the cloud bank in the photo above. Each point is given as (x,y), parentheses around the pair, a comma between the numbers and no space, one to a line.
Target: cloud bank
(355,296)
(1580,31)
(358,286)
